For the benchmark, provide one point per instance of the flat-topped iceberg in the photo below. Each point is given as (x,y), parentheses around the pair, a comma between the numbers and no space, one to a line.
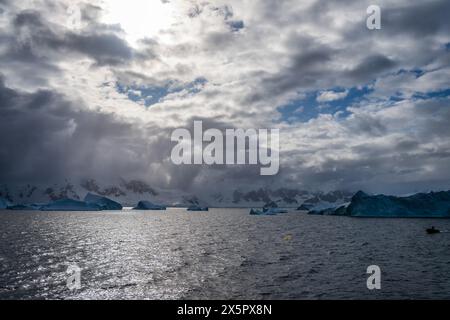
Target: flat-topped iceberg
(422,205)
(147,205)
(70,205)
(103,202)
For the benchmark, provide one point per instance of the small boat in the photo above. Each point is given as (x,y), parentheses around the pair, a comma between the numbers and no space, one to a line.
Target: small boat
(433,230)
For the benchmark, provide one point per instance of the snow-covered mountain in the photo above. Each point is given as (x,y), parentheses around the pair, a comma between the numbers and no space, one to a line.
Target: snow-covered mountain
(284,198)
(130,192)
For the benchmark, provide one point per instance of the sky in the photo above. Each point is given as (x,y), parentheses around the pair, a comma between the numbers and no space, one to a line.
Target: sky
(94,89)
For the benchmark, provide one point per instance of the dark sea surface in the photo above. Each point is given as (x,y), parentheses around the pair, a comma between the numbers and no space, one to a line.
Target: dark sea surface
(221,254)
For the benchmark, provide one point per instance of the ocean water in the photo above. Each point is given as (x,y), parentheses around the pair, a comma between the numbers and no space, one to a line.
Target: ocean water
(221,254)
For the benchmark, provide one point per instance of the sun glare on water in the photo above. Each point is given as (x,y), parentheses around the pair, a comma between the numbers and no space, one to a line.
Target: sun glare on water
(139,18)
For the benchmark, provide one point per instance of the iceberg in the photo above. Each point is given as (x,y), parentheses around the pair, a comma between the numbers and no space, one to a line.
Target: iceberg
(4,204)
(277,210)
(147,205)
(25,207)
(272,208)
(266,212)
(103,202)
(197,208)
(334,211)
(326,202)
(70,205)
(421,205)
(305,207)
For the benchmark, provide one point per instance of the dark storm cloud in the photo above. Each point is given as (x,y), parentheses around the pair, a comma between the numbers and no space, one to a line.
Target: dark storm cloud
(45,137)
(105,49)
(255,60)
(309,64)
(99,42)
(371,66)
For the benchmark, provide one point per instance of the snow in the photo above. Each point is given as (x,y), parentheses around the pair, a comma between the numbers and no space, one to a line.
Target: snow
(147,205)
(128,193)
(103,202)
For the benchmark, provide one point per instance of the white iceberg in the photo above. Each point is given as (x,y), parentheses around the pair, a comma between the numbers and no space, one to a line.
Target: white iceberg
(70,205)
(103,202)
(266,212)
(147,205)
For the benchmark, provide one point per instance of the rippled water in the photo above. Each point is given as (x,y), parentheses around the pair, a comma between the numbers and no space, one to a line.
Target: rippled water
(221,254)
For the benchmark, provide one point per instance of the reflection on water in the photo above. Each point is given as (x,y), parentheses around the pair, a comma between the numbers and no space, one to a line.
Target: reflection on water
(221,254)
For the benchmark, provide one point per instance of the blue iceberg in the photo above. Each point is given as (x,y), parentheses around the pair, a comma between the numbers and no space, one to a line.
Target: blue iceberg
(103,202)
(266,212)
(70,205)
(421,205)
(25,207)
(4,204)
(147,205)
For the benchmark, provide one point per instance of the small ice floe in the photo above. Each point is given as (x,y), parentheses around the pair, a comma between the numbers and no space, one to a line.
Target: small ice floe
(147,205)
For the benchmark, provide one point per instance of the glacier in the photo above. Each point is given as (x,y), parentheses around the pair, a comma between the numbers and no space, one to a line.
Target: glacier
(103,202)
(421,205)
(147,205)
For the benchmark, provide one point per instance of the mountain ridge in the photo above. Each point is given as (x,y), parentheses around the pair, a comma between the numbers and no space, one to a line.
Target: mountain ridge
(130,192)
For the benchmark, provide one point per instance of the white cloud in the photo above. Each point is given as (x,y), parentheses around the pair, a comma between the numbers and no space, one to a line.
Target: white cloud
(328,96)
